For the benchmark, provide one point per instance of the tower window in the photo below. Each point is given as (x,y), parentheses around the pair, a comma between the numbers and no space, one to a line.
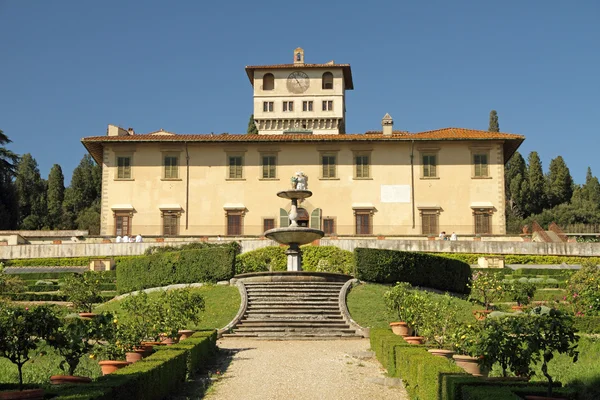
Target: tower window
(288,106)
(267,106)
(327,80)
(307,105)
(327,105)
(268,82)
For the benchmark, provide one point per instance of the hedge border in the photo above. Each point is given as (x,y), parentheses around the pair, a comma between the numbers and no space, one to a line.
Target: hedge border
(153,377)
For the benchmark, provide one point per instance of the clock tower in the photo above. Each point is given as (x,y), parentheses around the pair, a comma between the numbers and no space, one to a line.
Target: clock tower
(300,97)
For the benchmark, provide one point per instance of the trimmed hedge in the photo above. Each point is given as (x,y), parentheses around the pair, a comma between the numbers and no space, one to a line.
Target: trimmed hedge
(34,276)
(154,377)
(471,258)
(587,324)
(49,262)
(190,266)
(418,269)
(314,258)
(52,296)
(105,287)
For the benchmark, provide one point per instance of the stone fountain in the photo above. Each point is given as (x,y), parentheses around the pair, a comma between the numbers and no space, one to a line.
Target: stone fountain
(295,235)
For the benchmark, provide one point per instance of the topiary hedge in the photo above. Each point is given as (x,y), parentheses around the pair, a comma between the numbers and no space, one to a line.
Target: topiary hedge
(314,258)
(418,269)
(190,266)
(471,258)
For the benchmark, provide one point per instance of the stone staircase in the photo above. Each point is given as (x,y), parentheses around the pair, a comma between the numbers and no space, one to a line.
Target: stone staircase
(293,310)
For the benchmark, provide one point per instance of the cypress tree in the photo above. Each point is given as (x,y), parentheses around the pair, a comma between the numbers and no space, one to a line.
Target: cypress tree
(559,187)
(252,129)
(9,206)
(84,191)
(494,126)
(56,196)
(514,176)
(31,190)
(535,177)
(591,188)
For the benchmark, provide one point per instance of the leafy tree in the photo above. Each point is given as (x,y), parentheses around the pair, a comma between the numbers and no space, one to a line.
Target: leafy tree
(89,219)
(85,190)
(56,196)
(31,189)
(9,207)
(494,126)
(252,129)
(536,182)
(591,188)
(559,187)
(516,185)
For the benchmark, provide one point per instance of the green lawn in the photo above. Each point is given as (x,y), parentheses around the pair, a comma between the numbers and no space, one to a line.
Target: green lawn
(221,306)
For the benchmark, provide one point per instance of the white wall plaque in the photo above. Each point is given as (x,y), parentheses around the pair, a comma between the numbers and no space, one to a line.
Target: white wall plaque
(395,193)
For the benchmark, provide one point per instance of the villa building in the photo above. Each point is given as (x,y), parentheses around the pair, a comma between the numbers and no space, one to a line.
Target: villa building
(377,183)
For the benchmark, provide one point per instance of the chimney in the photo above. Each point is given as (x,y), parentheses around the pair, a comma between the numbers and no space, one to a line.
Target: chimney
(114,130)
(388,124)
(131,131)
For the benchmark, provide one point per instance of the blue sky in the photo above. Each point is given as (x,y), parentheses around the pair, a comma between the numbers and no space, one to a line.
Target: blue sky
(69,68)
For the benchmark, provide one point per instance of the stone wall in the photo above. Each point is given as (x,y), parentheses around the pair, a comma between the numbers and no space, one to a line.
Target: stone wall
(446,246)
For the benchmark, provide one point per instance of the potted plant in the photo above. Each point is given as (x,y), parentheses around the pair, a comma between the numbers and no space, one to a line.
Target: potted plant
(110,351)
(439,322)
(173,310)
(485,288)
(138,327)
(83,290)
(465,342)
(553,332)
(72,341)
(395,300)
(521,293)
(21,330)
(417,306)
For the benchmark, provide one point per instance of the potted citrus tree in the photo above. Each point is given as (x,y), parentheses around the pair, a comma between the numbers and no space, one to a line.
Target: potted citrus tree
(465,342)
(174,310)
(418,306)
(521,293)
(396,302)
(21,331)
(83,290)
(485,287)
(439,323)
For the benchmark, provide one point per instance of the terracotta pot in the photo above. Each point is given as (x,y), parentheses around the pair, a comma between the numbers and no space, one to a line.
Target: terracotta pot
(414,339)
(31,394)
(441,353)
(150,344)
(533,397)
(186,333)
(470,365)
(110,366)
(481,314)
(401,328)
(64,379)
(135,355)
(168,341)
(146,349)
(87,315)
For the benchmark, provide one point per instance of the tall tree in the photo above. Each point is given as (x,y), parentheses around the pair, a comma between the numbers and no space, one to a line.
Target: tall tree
(84,191)
(591,188)
(536,181)
(56,196)
(31,189)
(9,207)
(559,183)
(252,129)
(494,126)
(515,184)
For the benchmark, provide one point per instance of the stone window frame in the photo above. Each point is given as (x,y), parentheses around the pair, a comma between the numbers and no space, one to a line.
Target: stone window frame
(480,151)
(429,152)
(263,154)
(268,80)
(328,153)
(327,105)
(125,155)
(120,214)
(333,223)
(241,212)
(486,212)
(235,154)
(164,155)
(362,153)
(327,81)
(287,106)
(268,106)
(170,214)
(264,223)
(429,211)
(307,106)
(369,213)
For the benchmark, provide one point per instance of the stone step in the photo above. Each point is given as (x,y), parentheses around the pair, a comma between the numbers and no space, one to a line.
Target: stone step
(291,284)
(290,290)
(293,317)
(292,307)
(308,302)
(291,336)
(284,329)
(292,324)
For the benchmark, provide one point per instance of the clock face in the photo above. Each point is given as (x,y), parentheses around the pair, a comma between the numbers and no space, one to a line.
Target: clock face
(298,82)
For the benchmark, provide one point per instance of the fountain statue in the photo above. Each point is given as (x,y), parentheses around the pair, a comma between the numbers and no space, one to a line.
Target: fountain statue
(295,235)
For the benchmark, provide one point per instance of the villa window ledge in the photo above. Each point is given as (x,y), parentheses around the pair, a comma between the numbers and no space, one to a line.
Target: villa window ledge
(268,179)
(329,179)
(235,179)
(124,179)
(481,177)
(171,179)
(429,178)
(362,179)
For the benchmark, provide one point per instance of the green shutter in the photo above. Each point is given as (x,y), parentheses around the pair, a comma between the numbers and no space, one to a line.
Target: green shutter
(284,219)
(315,219)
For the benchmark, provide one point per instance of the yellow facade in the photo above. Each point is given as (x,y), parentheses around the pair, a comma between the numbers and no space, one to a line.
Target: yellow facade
(375,184)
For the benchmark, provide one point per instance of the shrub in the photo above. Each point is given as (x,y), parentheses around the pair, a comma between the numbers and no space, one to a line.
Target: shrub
(260,260)
(390,266)
(189,266)
(396,300)
(521,292)
(485,287)
(72,340)
(583,290)
(440,321)
(192,246)
(50,262)
(83,291)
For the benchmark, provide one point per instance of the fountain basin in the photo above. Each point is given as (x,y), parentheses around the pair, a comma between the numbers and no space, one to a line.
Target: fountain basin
(298,235)
(294,194)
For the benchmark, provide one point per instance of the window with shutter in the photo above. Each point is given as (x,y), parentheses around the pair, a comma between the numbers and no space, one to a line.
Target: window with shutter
(328,164)
(362,166)
(364,225)
(234,223)
(480,163)
(268,223)
(429,166)
(123,224)
(483,222)
(284,219)
(329,225)
(124,167)
(315,219)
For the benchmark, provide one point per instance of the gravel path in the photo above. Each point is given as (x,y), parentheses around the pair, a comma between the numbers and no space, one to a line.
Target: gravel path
(329,369)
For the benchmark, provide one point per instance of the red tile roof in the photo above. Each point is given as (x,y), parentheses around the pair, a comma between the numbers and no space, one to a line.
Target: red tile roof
(348,84)
(511,141)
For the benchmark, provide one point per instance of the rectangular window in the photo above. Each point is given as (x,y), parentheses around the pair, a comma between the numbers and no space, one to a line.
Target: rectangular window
(483,223)
(480,161)
(327,105)
(362,166)
(288,106)
(429,222)
(122,224)
(269,163)
(123,167)
(235,167)
(363,222)
(171,167)
(328,163)
(429,166)
(170,224)
(234,223)
(268,223)
(329,226)
(307,106)
(267,106)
